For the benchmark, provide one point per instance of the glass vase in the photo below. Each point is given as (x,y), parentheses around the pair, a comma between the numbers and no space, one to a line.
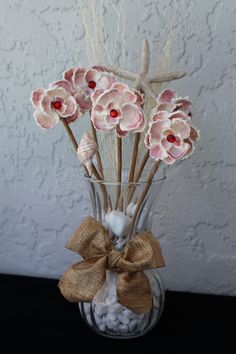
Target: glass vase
(125,209)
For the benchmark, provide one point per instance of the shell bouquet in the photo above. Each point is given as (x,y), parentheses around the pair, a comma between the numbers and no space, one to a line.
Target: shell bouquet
(117,115)
(168,132)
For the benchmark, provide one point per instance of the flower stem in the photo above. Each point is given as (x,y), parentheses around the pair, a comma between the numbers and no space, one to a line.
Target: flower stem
(141,167)
(95,172)
(98,156)
(119,169)
(137,177)
(132,168)
(134,157)
(71,135)
(143,195)
(106,201)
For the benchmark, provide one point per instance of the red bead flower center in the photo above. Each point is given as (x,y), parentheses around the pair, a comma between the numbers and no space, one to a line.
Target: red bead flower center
(171,138)
(114,113)
(92,84)
(57,104)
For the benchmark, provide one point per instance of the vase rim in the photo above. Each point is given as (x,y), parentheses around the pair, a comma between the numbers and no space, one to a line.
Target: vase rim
(124,183)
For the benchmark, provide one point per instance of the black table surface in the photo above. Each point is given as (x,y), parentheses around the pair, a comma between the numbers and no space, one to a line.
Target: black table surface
(32,310)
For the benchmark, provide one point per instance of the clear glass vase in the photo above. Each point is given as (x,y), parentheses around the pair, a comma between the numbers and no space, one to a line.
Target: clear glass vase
(125,209)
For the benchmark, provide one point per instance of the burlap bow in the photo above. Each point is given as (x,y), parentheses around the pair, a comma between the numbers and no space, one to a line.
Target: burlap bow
(83,279)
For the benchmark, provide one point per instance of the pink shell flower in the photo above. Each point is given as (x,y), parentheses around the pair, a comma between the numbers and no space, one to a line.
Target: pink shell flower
(53,103)
(168,100)
(119,108)
(85,82)
(170,137)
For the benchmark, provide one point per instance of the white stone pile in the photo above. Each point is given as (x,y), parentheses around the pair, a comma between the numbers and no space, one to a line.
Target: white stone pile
(110,316)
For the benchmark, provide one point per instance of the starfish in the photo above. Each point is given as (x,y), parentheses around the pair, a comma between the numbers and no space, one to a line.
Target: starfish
(142,81)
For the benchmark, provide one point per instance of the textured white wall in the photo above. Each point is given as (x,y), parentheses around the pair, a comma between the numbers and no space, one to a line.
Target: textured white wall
(42,195)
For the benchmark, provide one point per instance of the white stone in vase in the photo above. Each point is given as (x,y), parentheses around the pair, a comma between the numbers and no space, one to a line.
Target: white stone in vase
(87,306)
(112,317)
(98,319)
(108,313)
(132,325)
(123,319)
(88,318)
(120,244)
(101,309)
(124,329)
(102,327)
(118,222)
(111,300)
(130,209)
(112,324)
(115,309)
(129,314)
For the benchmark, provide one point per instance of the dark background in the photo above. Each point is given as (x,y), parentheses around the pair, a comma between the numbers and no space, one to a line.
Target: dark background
(34,315)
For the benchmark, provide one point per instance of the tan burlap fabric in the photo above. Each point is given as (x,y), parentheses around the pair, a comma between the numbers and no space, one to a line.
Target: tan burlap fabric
(83,279)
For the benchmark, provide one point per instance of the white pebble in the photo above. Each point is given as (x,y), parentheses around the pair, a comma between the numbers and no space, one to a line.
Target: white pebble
(100,309)
(87,307)
(111,300)
(118,222)
(98,319)
(115,309)
(105,224)
(112,324)
(107,323)
(132,325)
(120,245)
(123,329)
(140,317)
(142,323)
(88,318)
(130,209)
(156,302)
(128,313)
(143,326)
(112,290)
(102,327)
(115,323)
(123,319)
(112,317)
